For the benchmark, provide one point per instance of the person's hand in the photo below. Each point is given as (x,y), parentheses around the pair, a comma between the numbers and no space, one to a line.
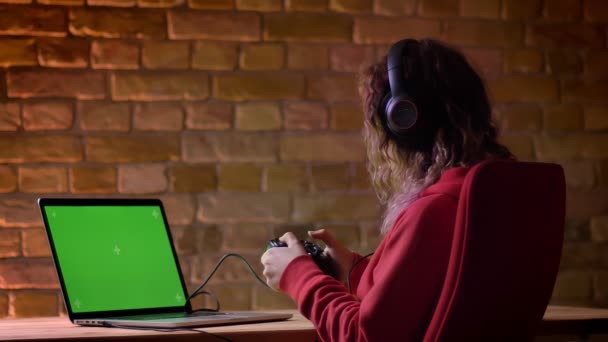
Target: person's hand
(342,256)
(276,259)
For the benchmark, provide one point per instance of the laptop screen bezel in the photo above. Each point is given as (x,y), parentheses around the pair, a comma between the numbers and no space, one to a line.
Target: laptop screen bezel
(43,202)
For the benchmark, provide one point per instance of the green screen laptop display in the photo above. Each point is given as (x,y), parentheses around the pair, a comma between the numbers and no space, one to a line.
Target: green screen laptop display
(115,257)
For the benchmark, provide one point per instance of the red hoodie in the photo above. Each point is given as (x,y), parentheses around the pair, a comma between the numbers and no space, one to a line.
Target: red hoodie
(397,290)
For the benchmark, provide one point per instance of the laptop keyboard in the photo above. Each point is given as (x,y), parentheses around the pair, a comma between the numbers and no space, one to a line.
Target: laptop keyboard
(170,315)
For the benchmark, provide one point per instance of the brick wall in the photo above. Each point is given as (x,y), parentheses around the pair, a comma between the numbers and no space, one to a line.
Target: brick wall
(243,116)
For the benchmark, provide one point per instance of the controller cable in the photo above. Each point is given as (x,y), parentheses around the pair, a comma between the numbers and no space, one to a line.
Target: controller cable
(199,290)
(222,259)
(353,267)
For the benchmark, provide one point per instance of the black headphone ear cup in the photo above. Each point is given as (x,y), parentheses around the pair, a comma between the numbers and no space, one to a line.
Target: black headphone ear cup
(401,115)
(383,109)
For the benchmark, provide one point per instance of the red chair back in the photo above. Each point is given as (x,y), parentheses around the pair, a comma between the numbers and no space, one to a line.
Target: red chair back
(505,253)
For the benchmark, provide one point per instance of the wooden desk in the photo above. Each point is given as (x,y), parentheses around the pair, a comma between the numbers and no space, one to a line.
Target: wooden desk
(297,329)
(575,321)
(558,320)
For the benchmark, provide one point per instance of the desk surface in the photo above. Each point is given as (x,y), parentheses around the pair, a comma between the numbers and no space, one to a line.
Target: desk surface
(296,329)
(558,319)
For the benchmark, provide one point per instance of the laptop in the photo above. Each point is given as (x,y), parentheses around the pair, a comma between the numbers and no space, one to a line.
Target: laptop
(118,267)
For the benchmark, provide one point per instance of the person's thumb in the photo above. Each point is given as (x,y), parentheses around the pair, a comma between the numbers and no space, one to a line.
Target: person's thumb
(325,236)
(290,239)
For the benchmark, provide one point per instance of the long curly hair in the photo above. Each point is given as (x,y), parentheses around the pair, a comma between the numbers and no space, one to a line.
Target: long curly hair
(454,127)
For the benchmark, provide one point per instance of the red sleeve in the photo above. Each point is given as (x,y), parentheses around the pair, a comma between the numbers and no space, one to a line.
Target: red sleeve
(407,281)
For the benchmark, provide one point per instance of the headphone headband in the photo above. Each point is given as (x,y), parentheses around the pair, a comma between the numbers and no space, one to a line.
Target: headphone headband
(400,110)
(394,65)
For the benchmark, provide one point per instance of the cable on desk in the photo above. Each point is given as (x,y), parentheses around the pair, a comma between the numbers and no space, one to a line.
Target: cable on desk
(210,294)
(112,325)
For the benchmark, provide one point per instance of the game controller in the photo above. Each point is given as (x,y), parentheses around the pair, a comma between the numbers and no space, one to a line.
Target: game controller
(325,263)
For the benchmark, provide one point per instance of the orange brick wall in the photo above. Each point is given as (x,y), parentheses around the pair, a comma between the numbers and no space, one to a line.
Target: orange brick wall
(243,116)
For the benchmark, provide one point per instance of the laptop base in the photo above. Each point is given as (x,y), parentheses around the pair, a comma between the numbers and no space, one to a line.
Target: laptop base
(220,318)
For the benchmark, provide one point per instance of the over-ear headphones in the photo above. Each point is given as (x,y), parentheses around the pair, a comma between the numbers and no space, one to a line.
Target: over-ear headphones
(399,109)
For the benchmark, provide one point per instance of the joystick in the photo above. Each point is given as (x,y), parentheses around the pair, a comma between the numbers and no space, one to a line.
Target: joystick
(325,263)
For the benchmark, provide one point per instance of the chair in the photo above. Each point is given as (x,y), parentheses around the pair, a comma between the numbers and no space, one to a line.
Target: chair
(505,253)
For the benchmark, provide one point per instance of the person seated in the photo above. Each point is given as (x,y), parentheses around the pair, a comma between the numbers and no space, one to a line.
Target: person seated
(427,121)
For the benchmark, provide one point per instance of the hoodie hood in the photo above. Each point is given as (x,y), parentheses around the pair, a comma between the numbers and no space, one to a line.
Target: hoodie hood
(449,183)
